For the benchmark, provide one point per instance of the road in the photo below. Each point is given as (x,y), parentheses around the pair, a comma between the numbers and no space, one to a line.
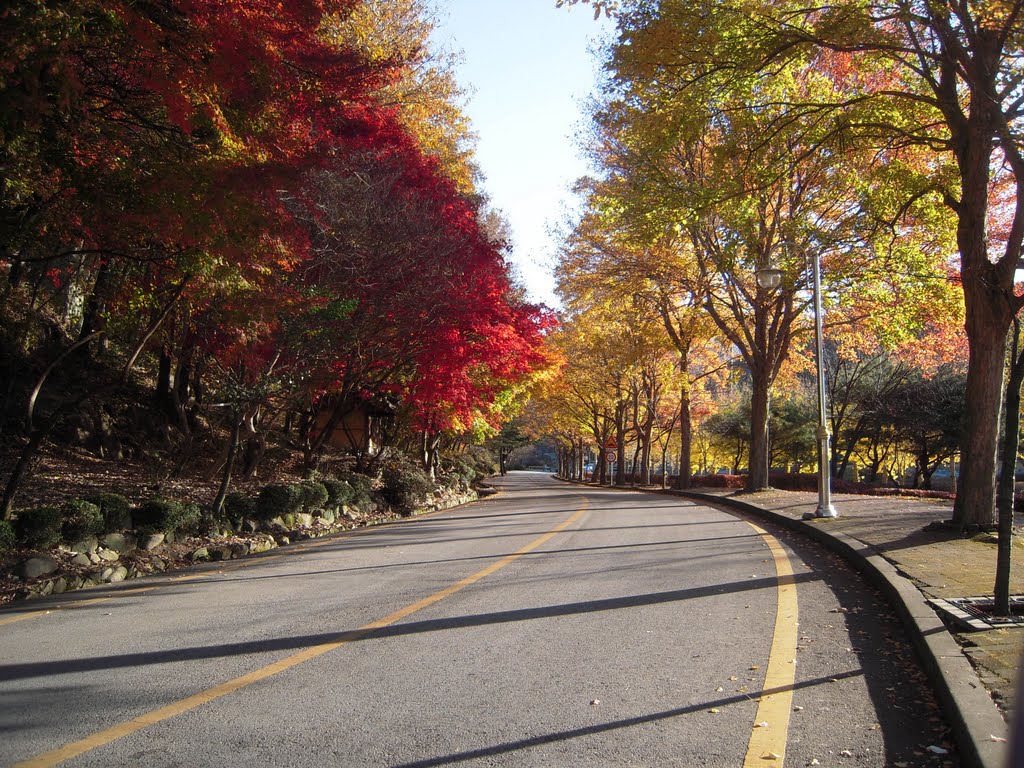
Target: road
(550,625)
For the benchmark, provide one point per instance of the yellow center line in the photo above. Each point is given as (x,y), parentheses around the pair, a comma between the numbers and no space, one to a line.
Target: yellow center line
(101,738)
(767,745)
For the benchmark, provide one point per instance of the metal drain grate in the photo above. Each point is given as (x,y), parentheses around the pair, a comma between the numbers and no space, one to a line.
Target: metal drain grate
(975,613)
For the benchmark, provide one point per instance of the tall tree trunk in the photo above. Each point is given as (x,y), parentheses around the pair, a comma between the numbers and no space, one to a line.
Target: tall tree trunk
(975,504)
(20,470)
(1008,470)
(684,478)
(620,439)
(757,465)
(229,464)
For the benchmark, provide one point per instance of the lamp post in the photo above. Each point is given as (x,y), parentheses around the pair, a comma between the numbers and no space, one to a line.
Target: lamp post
(825,508)
(770,278)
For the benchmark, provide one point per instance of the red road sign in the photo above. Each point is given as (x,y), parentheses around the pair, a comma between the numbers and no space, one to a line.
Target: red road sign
(611,455)
(611,445)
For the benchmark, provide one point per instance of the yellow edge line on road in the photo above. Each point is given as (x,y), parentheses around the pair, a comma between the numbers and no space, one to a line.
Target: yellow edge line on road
(101,738)
(768,737)
(231,566)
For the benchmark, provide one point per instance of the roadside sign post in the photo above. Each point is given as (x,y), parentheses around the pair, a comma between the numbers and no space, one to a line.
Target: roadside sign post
(611,455)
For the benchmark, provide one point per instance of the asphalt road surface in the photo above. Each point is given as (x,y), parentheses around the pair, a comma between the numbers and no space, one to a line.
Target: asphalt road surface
(551,625)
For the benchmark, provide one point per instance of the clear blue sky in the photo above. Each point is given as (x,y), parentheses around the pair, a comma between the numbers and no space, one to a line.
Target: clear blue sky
(530,69)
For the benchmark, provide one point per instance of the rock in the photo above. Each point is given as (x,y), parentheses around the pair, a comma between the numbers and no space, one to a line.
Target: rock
(349,513)
(328,516)
(42,589)
(250,526)
(261,545)
(119,574)
(86,545)
(94,558)
(282,540)
(36,566)
(105,575)
(117,542)
(107,554)
(157,563)
(169,537)
(219,552)
(60,585)
(153,541)
(81,559)
(200,554)
(304,519)
(239,548)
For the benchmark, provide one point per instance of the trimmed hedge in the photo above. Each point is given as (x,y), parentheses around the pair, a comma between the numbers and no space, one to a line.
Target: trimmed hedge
(7,538)
(38,528)
(277,501)
(406,485)
(81,519)
(339,493)
(238,506)
(116,510)
(719,481)
(362,488)
(809,482)
(313,495)
(167,516)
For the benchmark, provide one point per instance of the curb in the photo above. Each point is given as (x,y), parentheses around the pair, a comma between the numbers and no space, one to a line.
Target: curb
(971,712)
(967,705)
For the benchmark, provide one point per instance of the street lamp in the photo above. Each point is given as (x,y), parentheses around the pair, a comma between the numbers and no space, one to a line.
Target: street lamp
(769,278)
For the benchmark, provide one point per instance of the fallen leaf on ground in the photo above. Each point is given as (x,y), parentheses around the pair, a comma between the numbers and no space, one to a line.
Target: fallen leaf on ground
(938,750)
(846,753)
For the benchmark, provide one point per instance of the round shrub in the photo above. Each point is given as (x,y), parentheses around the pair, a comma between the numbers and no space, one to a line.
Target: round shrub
(362,488)
(81,519)
(167,516)
(405,485)
(313,495)
(238,506)
(190,519)
(459,474)
(277,501)
(339,493)
(7,539)
(38,528)
(116,509)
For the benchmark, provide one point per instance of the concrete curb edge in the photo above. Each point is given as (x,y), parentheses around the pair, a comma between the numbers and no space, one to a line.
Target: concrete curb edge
(972,714)
(970,710)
